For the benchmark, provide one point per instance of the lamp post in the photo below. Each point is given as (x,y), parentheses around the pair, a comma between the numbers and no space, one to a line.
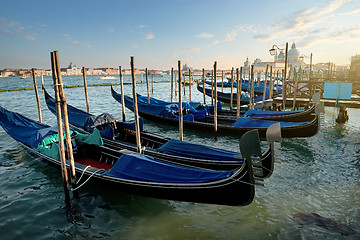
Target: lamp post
(273,51)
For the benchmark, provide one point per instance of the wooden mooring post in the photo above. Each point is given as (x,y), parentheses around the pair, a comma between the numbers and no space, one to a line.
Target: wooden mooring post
(136,112)
(172,85)
(215,104)
(238,92)
(37,94)
(232,89)
(284,87)
(86,91)
(203,79)
(190,84)
(252,104)
(265,83)
(64,173)
(180,104)
(122,94)
(147,85)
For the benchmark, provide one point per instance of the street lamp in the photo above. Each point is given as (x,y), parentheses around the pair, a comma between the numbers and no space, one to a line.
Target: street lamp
(274,49)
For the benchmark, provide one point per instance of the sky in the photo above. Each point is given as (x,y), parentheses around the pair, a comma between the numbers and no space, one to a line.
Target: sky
(159,33)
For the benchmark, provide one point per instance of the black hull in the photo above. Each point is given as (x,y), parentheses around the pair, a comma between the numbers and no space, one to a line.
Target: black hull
(304,116)
(207,125)
(152,141)
(236,190)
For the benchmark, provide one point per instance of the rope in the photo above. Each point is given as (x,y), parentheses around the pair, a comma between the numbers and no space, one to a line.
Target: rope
(82,174)
(86,180)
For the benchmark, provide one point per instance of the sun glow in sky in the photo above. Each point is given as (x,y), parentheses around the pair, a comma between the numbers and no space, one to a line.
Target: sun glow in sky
(161,32)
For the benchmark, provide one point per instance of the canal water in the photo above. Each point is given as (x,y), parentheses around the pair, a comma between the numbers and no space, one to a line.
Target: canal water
(319,174)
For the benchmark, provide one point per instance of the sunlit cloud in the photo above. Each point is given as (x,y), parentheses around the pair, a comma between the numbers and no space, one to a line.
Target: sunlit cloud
(149,36)
(141,26)
(76,43)
(353,12)
(233,33)
(111,29)
(189,50)
(205,35)
(302,24)
(13,28)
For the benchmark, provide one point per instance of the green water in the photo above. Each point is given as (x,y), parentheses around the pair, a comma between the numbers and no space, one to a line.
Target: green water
(318,174)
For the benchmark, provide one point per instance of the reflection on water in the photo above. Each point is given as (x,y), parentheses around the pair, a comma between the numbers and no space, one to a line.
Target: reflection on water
(318,174)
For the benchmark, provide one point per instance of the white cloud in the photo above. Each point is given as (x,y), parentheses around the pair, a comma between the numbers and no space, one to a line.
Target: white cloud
(13,28)
(76,43)
(149,36)
(111,29)
(141,26)
(302,24)
(205,35)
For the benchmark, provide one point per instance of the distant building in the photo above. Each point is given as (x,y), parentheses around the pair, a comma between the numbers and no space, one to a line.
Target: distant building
(354,72)
(71,70)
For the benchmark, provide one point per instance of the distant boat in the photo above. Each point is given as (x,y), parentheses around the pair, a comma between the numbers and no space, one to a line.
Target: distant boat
(23,77)
(107,77)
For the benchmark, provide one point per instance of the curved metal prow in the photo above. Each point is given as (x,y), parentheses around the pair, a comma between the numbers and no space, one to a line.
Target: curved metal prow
(273,133)
(319,108)
(250,144)
(251,152)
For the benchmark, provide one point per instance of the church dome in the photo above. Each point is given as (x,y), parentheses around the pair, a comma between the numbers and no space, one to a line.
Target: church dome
(293,52)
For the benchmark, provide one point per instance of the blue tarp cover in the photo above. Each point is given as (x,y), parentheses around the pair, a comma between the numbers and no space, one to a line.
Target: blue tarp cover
(191,150)
(259,123)
(267,113)
(79,118)
(145,168)
(23,129)
(162,110)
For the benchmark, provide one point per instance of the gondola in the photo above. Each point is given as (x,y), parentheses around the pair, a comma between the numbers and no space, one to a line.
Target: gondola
(237,128)
(281,116)
(245,86)
(121,135)
(226,97)
(135,173)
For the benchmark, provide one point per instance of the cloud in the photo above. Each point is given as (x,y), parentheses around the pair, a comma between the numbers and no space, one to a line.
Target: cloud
(111,29)
(353,12)
(149,36)
(232,34)
(205,35)
(75,42)
(13,28)
(141,26)
(301,24)
(189,50)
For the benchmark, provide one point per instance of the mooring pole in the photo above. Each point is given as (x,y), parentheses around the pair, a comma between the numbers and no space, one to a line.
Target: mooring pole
(64,174)
(212,87)
(86,91)
(296,75)
(147,84)
(190,83)
(172,84)
(180,105)
(152,84)
(264,92)
(37,94)
(232,89)
(271,83)
(310,83)
(284,87)
(122,93)
(215,105)
(203,78)
(136,112)
(238,94)
(222,81)
(252,88)
(66,125)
